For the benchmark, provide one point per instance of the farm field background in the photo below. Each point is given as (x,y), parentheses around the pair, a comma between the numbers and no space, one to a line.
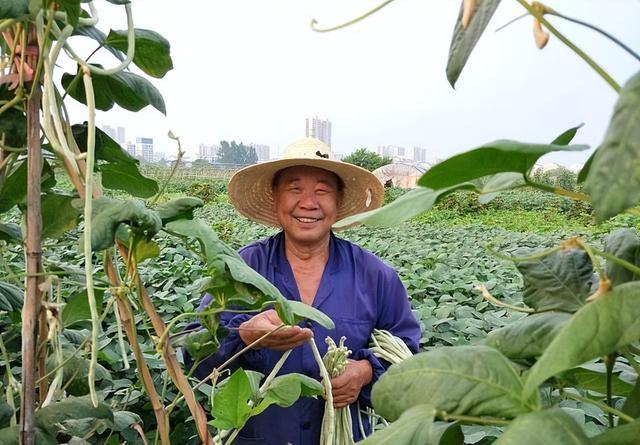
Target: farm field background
(442,256)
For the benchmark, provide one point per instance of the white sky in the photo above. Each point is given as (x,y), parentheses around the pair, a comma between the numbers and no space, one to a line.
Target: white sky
(251,71)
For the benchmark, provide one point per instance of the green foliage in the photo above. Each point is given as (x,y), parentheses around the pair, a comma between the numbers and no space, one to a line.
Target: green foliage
(237,154)
(152,50)
(552,427)
(366,159)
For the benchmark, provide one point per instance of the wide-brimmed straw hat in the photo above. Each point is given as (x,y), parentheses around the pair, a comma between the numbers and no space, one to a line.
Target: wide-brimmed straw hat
(250,188)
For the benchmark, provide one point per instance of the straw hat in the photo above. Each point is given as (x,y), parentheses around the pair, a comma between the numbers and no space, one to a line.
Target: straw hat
(250,188)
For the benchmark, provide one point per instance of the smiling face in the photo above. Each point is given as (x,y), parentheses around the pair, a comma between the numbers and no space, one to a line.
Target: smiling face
(306,203)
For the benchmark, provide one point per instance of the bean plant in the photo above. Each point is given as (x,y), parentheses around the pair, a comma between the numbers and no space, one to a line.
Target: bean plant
(580,307)
(52,316)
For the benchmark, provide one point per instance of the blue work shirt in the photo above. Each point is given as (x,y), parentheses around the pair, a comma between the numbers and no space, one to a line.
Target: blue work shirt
(359,292)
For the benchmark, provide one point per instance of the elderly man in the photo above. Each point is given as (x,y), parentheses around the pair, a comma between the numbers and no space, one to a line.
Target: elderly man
(305,193)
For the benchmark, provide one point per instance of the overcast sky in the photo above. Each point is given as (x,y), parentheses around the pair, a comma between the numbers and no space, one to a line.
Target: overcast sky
(251,71)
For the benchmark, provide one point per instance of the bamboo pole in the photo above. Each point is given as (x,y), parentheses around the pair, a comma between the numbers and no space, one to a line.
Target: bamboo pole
(33,259)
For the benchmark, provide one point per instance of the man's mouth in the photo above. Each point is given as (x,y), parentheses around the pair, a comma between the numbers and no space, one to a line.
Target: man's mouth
(306,220)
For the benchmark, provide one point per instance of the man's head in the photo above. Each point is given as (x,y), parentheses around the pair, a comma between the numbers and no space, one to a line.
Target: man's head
(252,189)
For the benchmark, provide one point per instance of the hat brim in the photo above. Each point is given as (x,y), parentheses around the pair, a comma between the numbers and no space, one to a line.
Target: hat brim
(250,192)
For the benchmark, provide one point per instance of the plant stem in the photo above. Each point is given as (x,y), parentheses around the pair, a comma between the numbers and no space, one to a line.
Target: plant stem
(490,298)
(624,263)
(329,411)
(534,257)
(274,371)
(171,174)
(540,16)
(471,419)
(603,406)
(33,264)
(350,22)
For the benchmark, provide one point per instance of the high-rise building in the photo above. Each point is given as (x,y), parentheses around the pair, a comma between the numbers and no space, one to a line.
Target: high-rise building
(419,154)
(144,149)
(207,152)
(262,151)
(319,129)
(131,148)
(115,133)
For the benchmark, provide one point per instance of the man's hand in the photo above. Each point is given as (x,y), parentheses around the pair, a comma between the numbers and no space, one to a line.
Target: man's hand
(346,387)
(283,339)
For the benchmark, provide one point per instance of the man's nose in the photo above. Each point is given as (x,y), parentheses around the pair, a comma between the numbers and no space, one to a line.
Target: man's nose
(308,200)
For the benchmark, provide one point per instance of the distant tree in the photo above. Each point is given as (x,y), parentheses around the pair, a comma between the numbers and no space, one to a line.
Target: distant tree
(199,163)
(233,153)
(367,159)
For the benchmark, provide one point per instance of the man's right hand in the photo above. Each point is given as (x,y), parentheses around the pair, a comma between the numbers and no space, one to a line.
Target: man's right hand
(283,339)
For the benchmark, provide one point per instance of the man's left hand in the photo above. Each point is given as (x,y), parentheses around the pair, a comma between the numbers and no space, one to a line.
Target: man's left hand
(346,387)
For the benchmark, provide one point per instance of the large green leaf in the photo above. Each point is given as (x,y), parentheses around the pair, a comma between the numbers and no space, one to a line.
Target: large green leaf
(13,9)
(128,178)
(588,379)
(498,183)
(109,213)
(464,40)
(75,373)
(131,91)
(11,297)
(14,189)
(614,176)
(547,427)
(286,389)
(599,328)
(471,380)
(151,52)
(411,204)
(58,214)
(6,413)
(230,403)
(304,311)
(13,127)
(120,171)
(416,426)
(624,244)
(561,281)
(10,232)
(71,8)
(99,36)
(584,171)
(179,208)
(528,337)
(632,404)
(622,435)
(77,307)
(489,159)
(50,417)
(567,136)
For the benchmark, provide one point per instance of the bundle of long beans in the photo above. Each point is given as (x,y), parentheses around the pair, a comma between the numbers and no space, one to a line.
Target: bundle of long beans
(388,347)
(335,360)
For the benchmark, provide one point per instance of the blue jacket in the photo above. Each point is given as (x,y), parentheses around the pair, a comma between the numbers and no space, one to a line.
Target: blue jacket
(359,292)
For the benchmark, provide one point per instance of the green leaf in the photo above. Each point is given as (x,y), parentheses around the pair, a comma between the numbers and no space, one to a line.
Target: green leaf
(13,127)
(6,413)
(286,389)
(108,214)
(151,50)
(560,281)
(622,435)
(75,374)
(470,380)
(14,189)
(599,328)
(303,311)
(10,232)
(77,307)
(131,91)
(547,427)
(584,171)
(72,9)
(124,419)
(528,337)
(71,408)
(632,404)
(464,40)
(100,37)
(624,244)
(14,9)
(496,157)
(105,148)
(128,178)
(10,436)
(230,408)
(614,177)
(179,208)
(566,137)
(495,184)
(11,297)
(416,426)
(411,204)
(58,214)
(587,379)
